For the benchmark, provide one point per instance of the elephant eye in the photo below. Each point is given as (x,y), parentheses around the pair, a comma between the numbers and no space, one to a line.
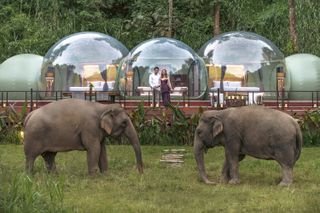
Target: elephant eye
(199,132)
(124,123)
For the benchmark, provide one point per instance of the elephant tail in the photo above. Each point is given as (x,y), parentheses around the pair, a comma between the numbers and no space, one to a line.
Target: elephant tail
(299,142)
(27,119)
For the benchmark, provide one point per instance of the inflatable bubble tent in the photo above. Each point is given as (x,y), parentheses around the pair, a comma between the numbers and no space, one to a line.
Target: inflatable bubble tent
(186,70)
(304,72)
(80,60)
(244,60)
(20,73)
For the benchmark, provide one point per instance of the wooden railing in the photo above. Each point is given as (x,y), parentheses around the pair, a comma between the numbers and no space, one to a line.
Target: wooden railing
(218,99)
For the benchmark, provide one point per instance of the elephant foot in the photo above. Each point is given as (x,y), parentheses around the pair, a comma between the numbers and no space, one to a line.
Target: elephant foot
(285,183)
(209,182)
(234,181)
(224,180)
(93,172)
(52,171)
(104,172)
(140,169)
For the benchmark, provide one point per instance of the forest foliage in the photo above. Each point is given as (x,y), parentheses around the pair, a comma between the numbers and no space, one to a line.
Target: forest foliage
(33,26)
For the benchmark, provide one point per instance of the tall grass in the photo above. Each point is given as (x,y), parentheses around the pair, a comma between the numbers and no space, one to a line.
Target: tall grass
(162,188)
(20,192)
(26,194)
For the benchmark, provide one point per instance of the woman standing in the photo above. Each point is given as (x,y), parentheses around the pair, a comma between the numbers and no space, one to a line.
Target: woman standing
(165,87)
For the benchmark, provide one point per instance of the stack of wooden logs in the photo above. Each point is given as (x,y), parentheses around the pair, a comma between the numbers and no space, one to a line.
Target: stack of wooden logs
(173,157)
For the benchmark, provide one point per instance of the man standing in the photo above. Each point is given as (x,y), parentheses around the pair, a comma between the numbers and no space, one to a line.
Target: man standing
(154,82)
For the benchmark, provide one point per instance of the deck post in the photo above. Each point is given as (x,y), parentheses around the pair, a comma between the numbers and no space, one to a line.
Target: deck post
(218,97)
(31,100)
(2,98)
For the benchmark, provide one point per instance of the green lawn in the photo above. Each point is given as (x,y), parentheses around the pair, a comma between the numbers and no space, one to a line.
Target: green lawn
(161,188)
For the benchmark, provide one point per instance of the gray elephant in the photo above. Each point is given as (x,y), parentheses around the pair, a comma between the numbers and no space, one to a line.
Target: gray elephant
(73,124)
(251,130)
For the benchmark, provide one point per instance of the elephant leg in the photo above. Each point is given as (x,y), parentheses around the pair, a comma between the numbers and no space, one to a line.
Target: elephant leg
(93,154)
(49,158)
(287,176)
(234,171)
(226,176)
(30,163)
(286,160)
(287,172)
(225,172)
(103,160)
(232,158)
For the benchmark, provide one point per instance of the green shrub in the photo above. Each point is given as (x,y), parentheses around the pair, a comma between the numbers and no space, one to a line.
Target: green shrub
(10,136)
(310,126)
(167,127)
(11,124)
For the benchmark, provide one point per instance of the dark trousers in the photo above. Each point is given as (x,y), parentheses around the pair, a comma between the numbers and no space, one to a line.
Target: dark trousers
(165,98)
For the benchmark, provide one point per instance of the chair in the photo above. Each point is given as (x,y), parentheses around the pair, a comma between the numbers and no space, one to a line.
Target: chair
(144,91)
(179,91)
(254,96)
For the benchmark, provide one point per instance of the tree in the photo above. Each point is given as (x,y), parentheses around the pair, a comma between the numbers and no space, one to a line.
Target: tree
(217,7)
(293,28)
(170,18)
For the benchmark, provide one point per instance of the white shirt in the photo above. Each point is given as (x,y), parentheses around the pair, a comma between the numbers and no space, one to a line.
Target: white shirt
(154,80)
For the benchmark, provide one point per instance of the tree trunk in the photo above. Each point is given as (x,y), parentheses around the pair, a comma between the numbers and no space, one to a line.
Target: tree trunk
(217,18)
(169,34)
(293,26)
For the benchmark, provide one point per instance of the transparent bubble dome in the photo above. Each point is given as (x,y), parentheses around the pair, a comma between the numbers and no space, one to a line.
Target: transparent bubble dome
(186,69)
(250,60)
(80,59)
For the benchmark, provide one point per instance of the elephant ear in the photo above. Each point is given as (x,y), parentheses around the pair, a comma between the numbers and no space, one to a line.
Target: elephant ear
(217,128)
(106,121)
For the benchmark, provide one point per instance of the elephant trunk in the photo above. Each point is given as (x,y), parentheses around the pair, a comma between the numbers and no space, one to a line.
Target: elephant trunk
(198,153)
(132,136)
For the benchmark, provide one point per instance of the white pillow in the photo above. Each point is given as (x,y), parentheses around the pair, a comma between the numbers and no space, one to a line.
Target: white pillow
(234,84)
(216,83)
(96,83)
(110,84)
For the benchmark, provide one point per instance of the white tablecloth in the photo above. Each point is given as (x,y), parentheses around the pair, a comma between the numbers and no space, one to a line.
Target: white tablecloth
(254,94)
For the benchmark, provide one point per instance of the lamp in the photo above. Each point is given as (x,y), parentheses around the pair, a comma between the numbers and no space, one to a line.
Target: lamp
(280,79)
(21,134)
(49,76)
